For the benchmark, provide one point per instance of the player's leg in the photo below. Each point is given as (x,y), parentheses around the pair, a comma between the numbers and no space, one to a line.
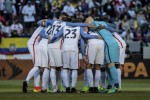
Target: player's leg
(86,84)
(53,69)
(37,87)
(91,57)
(45,79)
(103,79)
(33,49)
(74,70)
(111,57)
(90,77)
(121,63)
(65,71)
(58,64)
(97,77)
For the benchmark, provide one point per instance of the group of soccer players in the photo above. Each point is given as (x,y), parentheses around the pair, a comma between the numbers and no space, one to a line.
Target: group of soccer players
(54,47)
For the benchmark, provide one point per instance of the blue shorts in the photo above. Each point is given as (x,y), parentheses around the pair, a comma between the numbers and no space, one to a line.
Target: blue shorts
(112,53)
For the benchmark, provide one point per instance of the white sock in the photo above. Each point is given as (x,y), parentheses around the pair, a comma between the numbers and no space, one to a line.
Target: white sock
(97,77)
(85,78)
(65,77)
(90,77)
(45,79)
(119,77)
(37,79)
(103,79)
(53,77)
(31,73)
(74,78)
(62,81)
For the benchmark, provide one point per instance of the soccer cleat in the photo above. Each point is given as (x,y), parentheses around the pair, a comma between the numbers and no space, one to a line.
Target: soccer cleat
(67,90)
(62,89)
(96,90)
(111,91)
(24,88)
(73,90)
(44,91)
(85,89)
(37,89)
(119,90)
(99,88)
(91,90)
(49,90)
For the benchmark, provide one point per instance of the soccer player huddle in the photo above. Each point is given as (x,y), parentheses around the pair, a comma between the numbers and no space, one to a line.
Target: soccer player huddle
(54,47)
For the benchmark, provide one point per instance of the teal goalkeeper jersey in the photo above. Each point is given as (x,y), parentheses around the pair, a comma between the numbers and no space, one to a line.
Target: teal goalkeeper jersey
(106,35)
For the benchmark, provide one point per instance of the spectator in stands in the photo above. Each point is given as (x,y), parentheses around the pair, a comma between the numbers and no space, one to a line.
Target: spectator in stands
(141,18)
(69,9)
(2,18)
(109,8)
(1,5)
(133,23)
(16,26)
(14,33)
(6,29)
(120,7)
(85,7)
(138,34)
(10,10)
(117,22)
(128,53)
(29,13)
(46,9)
(131,12)
(125,24)
(127,35)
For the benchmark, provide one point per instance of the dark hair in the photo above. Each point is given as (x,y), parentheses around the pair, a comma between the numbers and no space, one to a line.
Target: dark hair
(76,20)
(64,14)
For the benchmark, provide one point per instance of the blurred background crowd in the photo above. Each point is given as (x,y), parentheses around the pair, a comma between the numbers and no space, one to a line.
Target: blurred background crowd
(132,17)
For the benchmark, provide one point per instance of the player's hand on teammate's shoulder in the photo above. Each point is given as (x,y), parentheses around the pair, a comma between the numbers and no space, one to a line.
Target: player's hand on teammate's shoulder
(100,27)
(99,37)
(91,26)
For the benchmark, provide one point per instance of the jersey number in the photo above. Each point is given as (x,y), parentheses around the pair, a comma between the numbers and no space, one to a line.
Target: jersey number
(54,28)
(73,32)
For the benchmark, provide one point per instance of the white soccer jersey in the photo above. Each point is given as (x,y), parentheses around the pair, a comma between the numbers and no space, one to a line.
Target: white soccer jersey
(71,37)
(34,39)
(56,27)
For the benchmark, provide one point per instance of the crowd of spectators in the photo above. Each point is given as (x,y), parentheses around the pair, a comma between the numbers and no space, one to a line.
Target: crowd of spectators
(132,17)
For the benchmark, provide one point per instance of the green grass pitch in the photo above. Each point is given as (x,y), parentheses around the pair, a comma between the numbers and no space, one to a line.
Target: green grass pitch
(131,90)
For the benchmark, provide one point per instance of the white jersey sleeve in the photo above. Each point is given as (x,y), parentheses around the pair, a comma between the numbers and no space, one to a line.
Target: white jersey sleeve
(71,37)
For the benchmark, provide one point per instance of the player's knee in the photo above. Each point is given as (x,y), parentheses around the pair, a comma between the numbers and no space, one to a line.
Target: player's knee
(111,64)
(89,66)
(97,66)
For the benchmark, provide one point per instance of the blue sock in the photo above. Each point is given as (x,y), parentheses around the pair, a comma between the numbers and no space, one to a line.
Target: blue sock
(114,74)
(110,83)
(103,79)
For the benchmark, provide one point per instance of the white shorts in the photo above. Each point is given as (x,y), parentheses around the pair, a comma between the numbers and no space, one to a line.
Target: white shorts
(70,59)
(122,47)
(33,49)
(43,54)
(96,52)
(55,57)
